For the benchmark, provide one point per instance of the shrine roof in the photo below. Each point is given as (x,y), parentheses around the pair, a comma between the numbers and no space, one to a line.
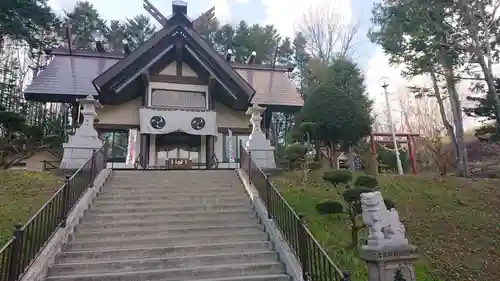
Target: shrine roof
(115,77)
(69,77)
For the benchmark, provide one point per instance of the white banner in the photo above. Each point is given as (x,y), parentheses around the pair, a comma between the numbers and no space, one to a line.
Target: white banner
(230,151)
(132,137)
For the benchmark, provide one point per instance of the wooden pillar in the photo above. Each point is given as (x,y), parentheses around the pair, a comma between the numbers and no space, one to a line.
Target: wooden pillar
(209,151)
(411,151)
(144,150)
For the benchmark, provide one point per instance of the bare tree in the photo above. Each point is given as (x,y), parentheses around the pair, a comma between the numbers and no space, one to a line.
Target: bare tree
(327,34)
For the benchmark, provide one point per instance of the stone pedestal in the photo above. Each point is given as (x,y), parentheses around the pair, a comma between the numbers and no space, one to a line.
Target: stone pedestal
(80,146)
(384,263)
(387,251)
(257,144)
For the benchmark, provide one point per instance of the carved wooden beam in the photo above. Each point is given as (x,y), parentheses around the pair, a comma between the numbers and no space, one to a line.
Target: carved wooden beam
(211,87)
(204,18)
(179,50)
(177,79)
(155,13)
(197,23)
(145,78)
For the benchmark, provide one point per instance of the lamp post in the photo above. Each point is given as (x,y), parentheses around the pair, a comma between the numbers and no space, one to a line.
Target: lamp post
(384,83)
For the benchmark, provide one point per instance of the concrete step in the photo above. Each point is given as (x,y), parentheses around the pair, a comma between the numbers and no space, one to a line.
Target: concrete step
(152,223)
(174,185)
(168,215)
(167,231)
(166,263)
(249,230)
(202,272)
(170,190)
(172,180)
(161,206)
(185,175)
(173,197)
(194,183)
(259,277)
(192,208)
(181,193)
(165,241)
(157,201)
(152,252)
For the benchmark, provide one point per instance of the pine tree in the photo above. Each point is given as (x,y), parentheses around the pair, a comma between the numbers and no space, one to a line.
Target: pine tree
(485,108)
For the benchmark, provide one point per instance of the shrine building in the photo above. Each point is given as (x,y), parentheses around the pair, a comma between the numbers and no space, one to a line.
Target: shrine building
(174,97)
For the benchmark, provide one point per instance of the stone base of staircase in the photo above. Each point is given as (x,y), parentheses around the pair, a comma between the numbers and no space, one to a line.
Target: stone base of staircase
(172,225)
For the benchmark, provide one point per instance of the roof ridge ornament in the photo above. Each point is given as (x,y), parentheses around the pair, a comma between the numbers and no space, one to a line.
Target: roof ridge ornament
(178,6)
(154,12)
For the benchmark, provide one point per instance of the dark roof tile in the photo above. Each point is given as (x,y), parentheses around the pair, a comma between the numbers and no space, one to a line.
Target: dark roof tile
(272,87)
(69,75)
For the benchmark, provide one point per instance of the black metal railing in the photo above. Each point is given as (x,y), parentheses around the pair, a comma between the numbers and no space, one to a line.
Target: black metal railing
(315,262)
(30,239)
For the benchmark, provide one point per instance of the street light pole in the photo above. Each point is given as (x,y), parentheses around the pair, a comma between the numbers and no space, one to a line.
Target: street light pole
(384,84)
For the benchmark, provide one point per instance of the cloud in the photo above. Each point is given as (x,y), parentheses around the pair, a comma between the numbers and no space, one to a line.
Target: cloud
(66,5)
(285,15)
(222,10)
(107,9)
(378,66)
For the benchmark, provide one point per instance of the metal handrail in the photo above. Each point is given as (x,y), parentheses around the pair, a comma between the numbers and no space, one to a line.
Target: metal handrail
(30,239)
(315,261)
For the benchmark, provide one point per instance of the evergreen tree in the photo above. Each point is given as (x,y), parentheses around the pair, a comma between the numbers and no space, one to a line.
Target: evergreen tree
(86,26)
(485,108)
(138,30)
(24,19)
(339,106)
(422,34)
(115,35)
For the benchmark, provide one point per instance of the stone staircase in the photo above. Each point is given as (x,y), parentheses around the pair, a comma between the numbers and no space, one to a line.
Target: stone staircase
(170,225)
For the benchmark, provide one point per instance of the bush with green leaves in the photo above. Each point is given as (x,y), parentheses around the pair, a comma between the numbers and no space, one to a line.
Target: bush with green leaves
(338,178)
(366,181)
(295,154)
(350,204)
(315,165)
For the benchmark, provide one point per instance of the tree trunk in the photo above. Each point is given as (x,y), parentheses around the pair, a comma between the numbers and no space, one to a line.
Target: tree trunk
(317,148)
(483,52)
(333,156)
(490,82)
(462,159)
(449,128)
(354,237)
(352,164)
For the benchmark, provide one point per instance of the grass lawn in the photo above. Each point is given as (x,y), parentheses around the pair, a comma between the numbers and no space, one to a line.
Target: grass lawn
(454,222)
(22,193)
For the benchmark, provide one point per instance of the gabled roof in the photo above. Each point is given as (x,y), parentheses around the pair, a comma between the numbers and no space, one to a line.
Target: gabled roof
(179,28)
(115,77)
(121,65)
(70,77)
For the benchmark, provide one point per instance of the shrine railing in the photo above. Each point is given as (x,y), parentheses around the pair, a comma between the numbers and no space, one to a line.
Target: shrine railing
(30,239)
(315,262)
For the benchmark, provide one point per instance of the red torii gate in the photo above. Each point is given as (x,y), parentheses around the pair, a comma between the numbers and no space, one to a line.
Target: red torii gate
(408,140)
